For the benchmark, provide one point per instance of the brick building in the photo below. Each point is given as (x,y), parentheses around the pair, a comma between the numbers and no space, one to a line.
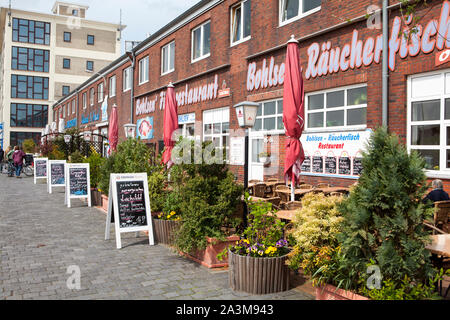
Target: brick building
(221,52)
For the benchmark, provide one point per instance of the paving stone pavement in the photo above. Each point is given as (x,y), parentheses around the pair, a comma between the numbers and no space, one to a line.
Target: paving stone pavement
(40,239)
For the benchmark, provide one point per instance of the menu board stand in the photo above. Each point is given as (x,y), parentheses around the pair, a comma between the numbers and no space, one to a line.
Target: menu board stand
(129,201)
(78,182)
(56,175)
(40,169)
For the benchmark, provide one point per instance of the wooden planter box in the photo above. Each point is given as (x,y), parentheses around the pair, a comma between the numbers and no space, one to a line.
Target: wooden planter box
(208,257)
(104,202)
(96,197)
(258,275)
(165,230)
(330,292)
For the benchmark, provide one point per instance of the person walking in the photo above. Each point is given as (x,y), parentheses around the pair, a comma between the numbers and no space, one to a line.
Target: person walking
(2,155)
(18,157)
(9,160)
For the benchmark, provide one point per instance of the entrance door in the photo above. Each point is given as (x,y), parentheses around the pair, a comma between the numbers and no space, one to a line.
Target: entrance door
(256,146)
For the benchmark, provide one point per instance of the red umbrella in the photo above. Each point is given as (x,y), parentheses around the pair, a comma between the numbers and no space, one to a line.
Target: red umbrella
(113,132)
(293,114)
(170,124)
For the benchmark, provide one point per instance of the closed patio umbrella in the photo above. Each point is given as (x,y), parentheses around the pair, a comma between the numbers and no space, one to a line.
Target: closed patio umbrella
(293,114)
(170,124)
(113,130)
(61,126)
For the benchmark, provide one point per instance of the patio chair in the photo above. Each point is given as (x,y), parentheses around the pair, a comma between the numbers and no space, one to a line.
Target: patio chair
(259,190)
(305,186)
(442,215)
(283,195)
(272,180)
(323,185)
(293,205)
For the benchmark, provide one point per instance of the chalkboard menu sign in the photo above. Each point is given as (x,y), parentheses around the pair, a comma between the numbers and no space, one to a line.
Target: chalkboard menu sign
(78,181)
(357,166)
(330,165)
(40,168)
(306,165)
(345,165)
(317,164)
(57,174)
(131,201)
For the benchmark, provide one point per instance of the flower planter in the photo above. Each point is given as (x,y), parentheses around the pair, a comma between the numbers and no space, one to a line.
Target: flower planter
(105,202)
(329,292)
(165,230)
(258,275)
(208,257)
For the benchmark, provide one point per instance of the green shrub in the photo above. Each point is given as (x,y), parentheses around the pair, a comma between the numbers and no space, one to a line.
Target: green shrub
(106,168)
(29,146)
(77,157)
(156,190)
(95,168)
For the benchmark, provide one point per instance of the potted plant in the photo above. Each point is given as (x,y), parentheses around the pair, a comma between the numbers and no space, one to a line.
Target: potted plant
(165,226)
(264,157)
(258,261)
(95,164)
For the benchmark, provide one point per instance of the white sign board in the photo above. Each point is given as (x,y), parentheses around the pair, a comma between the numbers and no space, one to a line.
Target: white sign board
(237,151)
(56,177)
(335,154)
(40,169)
(129,206)
(78,182)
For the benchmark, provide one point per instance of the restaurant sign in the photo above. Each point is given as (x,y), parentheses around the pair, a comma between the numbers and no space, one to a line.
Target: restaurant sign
(334,153)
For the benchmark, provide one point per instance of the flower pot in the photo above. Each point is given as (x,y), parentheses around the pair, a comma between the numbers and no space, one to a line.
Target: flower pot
(105,202)
(258,275)
(165,230)
(208,257)
(329,292)
(96,197)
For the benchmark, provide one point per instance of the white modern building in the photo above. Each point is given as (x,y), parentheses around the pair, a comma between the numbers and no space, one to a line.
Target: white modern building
(43,58)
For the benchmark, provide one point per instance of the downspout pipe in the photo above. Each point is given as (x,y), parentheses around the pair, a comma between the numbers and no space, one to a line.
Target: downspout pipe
(132,57)
(385,69)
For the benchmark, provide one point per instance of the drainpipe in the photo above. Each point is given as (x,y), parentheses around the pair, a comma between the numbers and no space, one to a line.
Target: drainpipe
(132,57)
(385,69)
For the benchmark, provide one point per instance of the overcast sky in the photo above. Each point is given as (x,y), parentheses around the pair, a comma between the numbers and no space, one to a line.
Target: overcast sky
(140,16)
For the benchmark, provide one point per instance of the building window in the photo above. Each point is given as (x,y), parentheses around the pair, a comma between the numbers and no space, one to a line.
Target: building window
(91,96)
(201,41)
(73,106)
(28,59)
(337,109)
(65,90)
(67,36)
(168,58)
(29,87)
(75,12)
(100,92)
(29,115)
(17,138)
(291,10)
(429,119)
(90,65)
(112,86)
(269,116)
(216,128)
(143,70)
(186,123)
(127,79)
(64,111)
(29,31)
(84,100)
(240,22)
(66,63)
(90,39)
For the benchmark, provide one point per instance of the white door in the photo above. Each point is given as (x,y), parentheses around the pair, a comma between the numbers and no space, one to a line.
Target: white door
(256,146)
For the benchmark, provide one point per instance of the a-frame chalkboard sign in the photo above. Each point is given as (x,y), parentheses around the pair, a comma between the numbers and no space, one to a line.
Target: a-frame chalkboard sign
(40,169)
(129,202)
(56,176)
(78,184)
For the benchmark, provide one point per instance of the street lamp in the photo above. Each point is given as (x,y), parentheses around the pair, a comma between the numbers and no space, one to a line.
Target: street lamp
(246,114)
(130,130)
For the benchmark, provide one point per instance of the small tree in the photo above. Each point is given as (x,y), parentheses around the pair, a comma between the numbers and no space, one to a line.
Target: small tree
(384,214)
(29,146)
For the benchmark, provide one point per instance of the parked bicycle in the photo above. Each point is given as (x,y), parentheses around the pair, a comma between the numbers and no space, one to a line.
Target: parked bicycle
(27,169)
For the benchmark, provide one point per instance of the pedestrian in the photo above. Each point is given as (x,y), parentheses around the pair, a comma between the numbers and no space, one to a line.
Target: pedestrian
(2,155)
(9,160)
(18,157)
(438,193)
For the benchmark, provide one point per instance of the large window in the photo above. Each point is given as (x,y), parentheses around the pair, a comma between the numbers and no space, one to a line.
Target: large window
(74,106)
(112,86)
(201,41)
(240,22)
(29,115)
(143,70)
(338,108)
(91,96)
(269,116)
(29,31)
(28,59)
(127,79)
(84,100)
(295,9)
(216,128)
(100,92)
(429,119)
(28,87)
(17,138)
(168,58)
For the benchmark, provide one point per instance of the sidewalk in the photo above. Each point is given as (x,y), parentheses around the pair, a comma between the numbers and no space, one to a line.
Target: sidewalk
(40,238)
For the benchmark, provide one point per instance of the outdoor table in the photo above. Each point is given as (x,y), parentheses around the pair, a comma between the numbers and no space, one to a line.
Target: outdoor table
(440,247)
(298,192)
(286,214)
(332,189)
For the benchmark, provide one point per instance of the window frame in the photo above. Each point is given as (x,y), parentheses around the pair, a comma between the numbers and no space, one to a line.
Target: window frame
(87,64)
(243,39)
(64,63)
(276,115)
(30,92)
(169,58)
(100,92)
(73,106)
(202,40)
(68,90)
(18,52)
(220,135)
(32,27)
(93,40)
(126,79)
(14,139)
(91,96)
(29,115)
(146,63)
(70,36)
(345,108)
(84,100)
(112,88)
(298,16)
